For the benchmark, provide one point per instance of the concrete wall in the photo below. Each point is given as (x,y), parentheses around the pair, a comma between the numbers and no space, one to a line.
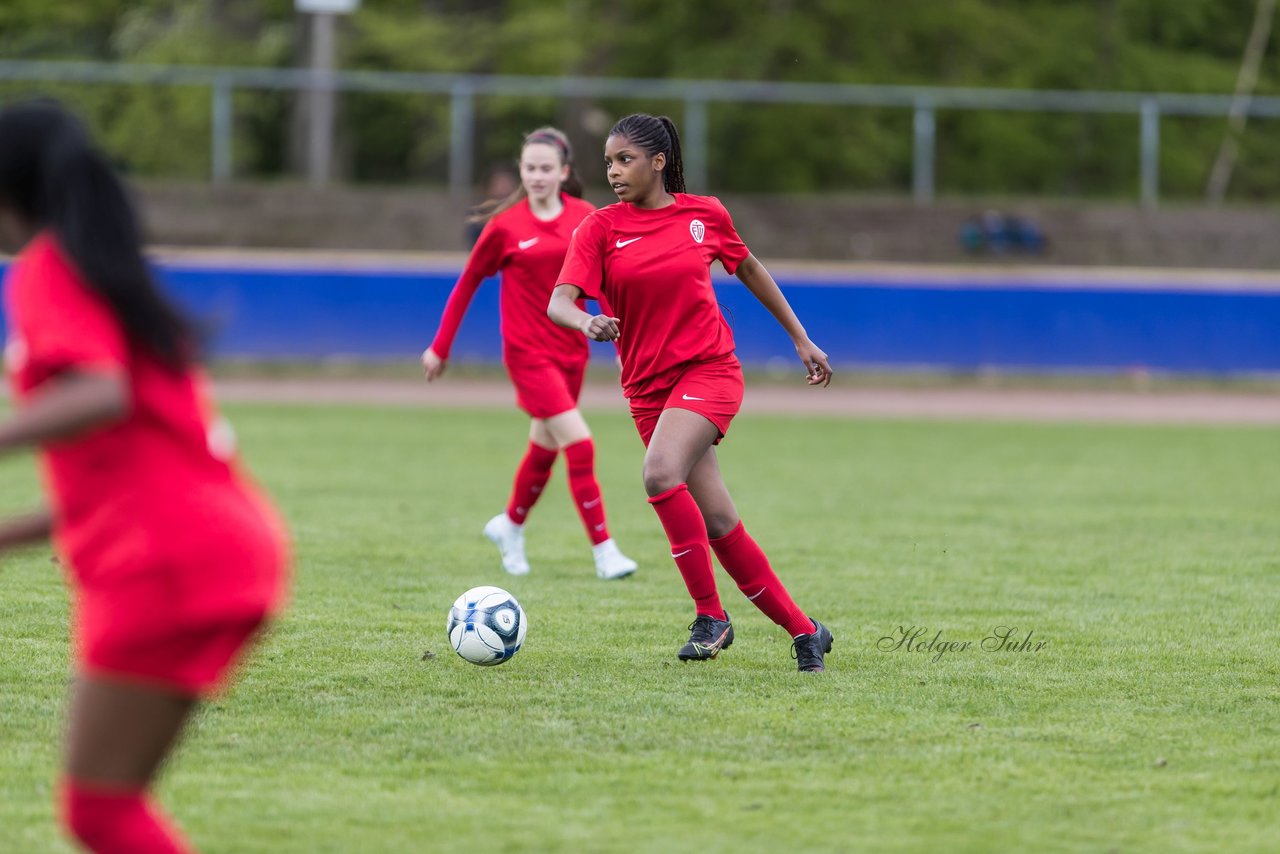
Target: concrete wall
(823,228)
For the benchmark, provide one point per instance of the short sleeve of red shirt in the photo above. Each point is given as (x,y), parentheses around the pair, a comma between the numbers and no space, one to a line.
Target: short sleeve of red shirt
(61,322)
(584,265)
(731,251)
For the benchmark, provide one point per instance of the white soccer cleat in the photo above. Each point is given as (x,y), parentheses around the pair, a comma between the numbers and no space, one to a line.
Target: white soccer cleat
(610,562)
(509,538)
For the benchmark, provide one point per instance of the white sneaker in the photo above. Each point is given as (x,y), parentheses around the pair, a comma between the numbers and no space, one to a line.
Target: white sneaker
(611,563)
(509,538)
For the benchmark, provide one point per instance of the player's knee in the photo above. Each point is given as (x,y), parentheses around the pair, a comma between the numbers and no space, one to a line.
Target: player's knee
(719,524)
(660,475)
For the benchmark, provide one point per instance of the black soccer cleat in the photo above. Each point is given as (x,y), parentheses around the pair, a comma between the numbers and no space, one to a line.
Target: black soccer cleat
(707,637)
(808,649)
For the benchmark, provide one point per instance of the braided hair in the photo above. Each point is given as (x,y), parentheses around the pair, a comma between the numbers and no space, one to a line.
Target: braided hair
(572,185)
(655,134)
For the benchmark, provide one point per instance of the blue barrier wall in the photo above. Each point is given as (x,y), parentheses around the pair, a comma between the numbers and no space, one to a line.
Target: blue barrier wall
(962,320)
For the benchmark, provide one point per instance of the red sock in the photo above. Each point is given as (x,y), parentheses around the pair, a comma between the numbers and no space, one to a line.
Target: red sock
(744,560)
(682,520)
(531,477)
(581,457)
(110,822)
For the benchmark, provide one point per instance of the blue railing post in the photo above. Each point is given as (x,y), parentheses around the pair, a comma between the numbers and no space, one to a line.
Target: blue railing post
(924,130)
(1150,152)
(461,141)
(222,130)
(695,144)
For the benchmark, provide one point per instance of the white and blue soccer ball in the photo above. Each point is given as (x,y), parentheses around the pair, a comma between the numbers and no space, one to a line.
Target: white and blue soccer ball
(486,625)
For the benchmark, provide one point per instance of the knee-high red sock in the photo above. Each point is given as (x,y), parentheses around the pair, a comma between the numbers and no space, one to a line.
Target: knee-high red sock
(687,532)
(109,822)
(746,563)
(581,457)
(531,478)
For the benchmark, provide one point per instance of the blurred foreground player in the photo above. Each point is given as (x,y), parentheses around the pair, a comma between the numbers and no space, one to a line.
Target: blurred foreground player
(648,257)
(175,562)
(526,237)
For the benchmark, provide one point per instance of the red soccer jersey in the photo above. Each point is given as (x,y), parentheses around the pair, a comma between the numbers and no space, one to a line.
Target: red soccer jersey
(529,252)
(653,269)
(142,490)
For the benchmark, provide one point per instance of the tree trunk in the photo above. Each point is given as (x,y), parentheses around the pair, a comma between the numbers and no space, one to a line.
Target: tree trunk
(1254,51)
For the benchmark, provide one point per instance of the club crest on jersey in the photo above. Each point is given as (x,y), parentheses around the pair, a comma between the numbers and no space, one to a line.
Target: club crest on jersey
(698,230)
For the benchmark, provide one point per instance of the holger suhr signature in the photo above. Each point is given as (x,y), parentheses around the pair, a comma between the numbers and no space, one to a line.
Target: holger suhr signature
(918,639)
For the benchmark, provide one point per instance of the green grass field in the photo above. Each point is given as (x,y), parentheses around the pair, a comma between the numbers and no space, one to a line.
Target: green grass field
(1145,558)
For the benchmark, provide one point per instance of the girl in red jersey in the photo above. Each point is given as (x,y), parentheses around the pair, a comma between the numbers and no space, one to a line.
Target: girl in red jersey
(648,257)
(526,237)
(175,562)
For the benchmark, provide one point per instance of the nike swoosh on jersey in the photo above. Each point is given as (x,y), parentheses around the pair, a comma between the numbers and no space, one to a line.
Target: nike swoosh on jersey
(525,244)
(622,243)
(691,397)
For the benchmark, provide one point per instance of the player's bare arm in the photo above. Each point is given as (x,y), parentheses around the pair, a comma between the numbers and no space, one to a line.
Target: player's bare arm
(69,404)
(563,311)
(27,529)
(762,286)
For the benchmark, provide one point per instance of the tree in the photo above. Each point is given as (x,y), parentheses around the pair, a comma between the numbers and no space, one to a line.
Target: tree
(1191,45)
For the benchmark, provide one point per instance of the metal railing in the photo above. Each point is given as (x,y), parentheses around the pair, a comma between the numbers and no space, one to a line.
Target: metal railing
(695,95)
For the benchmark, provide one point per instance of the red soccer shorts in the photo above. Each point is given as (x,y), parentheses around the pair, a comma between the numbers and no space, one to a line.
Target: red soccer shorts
(712,389)
(192,660)
(546,389)
(181,613)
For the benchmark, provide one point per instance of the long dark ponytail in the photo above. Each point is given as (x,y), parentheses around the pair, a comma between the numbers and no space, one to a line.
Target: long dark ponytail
(656,134)
(571,185)
(54,177)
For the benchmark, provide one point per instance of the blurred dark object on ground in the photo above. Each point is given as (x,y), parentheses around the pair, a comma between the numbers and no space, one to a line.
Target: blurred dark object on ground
(998,233)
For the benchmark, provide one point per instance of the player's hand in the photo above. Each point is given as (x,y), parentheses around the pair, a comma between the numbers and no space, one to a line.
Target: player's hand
(432,364)
(815,363)
(602,327)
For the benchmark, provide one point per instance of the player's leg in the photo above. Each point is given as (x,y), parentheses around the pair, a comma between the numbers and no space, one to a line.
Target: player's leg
(738,553)
(118,736)
(573,436)
(537,392)
(680,439)
(542,434)
(506,530)
(534,471)
(747,564)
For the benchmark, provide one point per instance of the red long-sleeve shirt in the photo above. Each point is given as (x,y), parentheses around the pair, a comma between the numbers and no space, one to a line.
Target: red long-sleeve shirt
(529,252)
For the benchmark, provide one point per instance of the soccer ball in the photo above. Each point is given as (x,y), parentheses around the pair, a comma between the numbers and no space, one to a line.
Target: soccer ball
(486,625)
